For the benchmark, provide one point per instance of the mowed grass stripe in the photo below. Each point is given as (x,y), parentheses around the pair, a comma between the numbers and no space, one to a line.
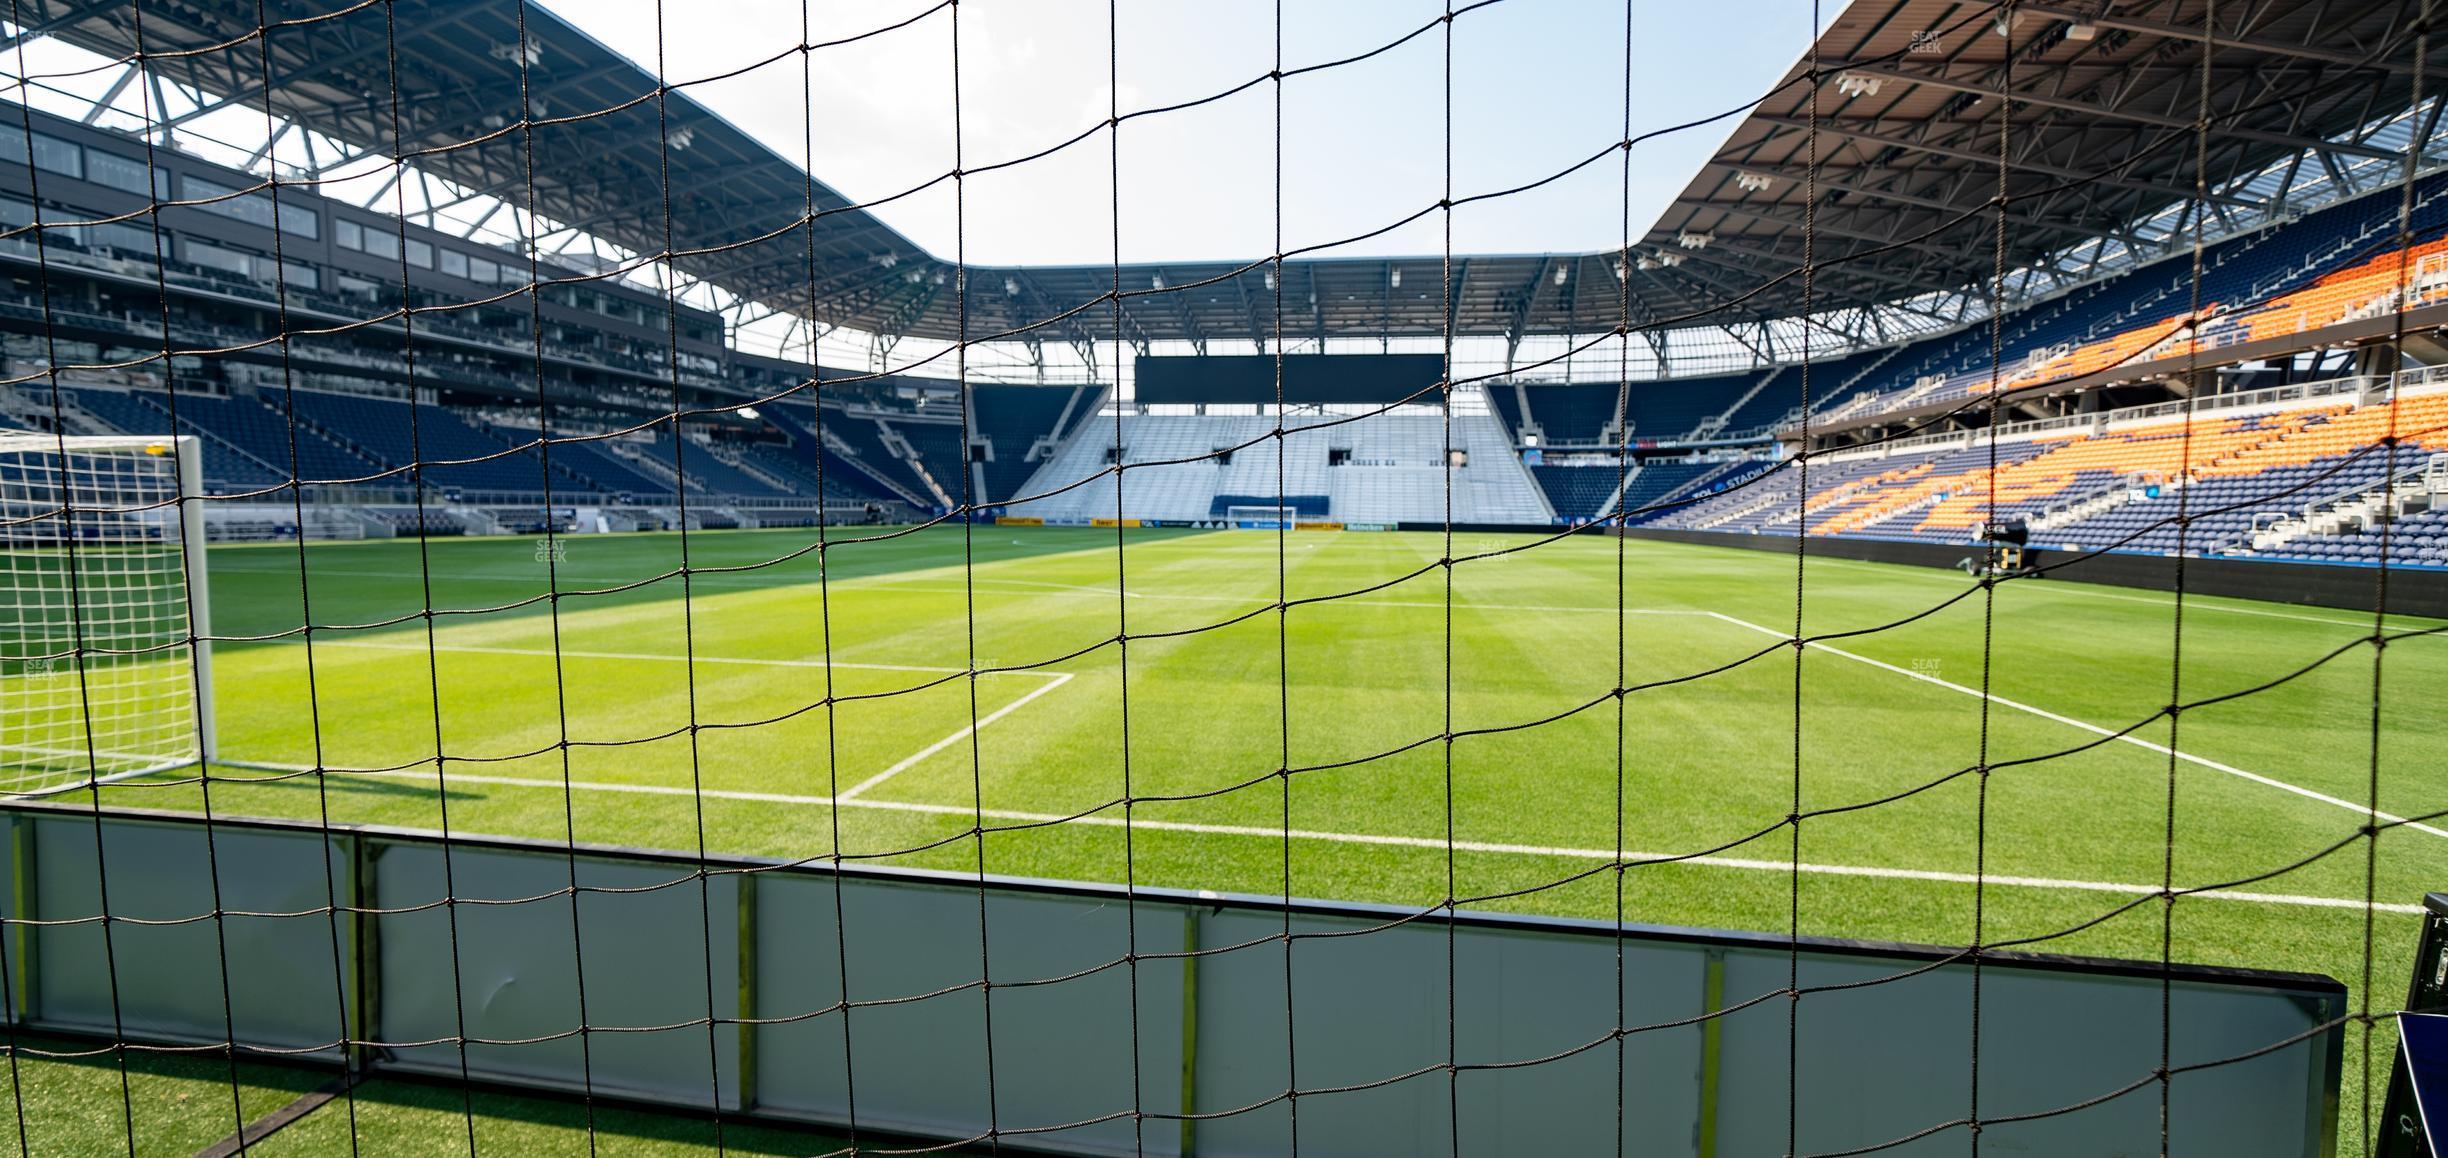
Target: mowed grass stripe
(1631,858)
(1520,659)
(2096,730)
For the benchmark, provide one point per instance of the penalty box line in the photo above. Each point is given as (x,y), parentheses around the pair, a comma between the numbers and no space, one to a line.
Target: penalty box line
(2094,729)
(2117,888)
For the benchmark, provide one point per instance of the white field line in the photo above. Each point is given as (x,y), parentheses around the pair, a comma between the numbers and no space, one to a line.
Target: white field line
(1421,842)
(2096,730)
(911,761)
(642,655)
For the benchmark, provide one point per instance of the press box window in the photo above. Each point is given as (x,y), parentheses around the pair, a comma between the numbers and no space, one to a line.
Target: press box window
(213,197)
(53,155)
(215,257)
(126,174)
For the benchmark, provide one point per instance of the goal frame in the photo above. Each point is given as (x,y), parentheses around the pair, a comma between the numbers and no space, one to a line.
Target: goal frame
(187,475)
(1266,517)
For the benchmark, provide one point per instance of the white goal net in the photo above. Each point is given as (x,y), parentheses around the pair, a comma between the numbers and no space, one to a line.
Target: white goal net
(1262,516)
(101,672)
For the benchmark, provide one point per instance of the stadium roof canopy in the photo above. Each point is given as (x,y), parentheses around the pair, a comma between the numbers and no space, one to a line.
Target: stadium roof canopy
(2099,139)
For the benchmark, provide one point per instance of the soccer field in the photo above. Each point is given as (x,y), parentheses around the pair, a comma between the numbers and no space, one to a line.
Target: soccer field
(2265,792)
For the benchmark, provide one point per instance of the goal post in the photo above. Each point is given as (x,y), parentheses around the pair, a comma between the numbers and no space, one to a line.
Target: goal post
(1261,517)
(105,671)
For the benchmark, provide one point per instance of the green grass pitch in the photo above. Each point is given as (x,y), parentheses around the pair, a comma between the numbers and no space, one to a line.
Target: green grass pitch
(2259,782)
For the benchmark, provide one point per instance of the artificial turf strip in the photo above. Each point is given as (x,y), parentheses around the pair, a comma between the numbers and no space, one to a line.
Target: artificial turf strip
(420,1118)
(1708,760)
(177,1102)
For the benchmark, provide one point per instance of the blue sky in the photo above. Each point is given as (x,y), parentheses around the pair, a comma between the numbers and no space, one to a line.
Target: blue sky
(1537,84)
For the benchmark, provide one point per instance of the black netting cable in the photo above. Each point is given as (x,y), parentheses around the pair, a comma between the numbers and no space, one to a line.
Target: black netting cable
(1623,620)
(968,522)
(1793,819)
(824,580)
(529,52)
(670,279)
(297,505)
(1445,377)
(1283,606)
(1988,582)
(433,651)
(8,1026)
(1130,849)
(2199,211)
(75,600)
(2393,367)
(196,655)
